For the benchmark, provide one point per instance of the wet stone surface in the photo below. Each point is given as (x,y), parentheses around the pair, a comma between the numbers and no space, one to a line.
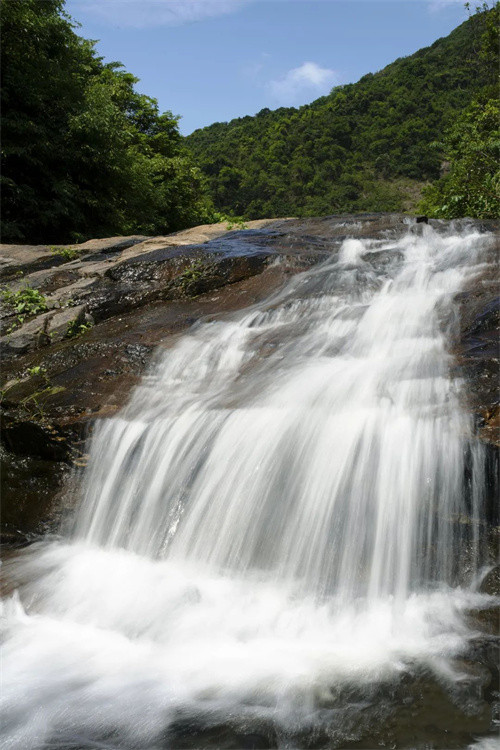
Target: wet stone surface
(115,300)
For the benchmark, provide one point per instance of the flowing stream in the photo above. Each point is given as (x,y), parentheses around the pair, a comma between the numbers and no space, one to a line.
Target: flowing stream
(278,537)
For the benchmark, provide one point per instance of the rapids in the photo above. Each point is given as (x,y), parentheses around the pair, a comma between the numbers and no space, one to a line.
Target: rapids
(279,537)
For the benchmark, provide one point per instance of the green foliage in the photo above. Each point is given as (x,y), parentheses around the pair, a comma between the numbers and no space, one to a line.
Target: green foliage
(67,253)
(35,403)
(232,221)
(237,222)
(366,146)
(191,279)
(32,405)
(472,143)
(472,187)
(40,372)
(26,301)
(76,327)
(84,154)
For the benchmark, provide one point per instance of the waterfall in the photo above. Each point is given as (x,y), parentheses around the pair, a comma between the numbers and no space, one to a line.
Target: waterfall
(318,439)
(289,504)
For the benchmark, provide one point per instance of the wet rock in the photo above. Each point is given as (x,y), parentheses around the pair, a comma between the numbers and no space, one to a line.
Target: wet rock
(44,330)
(18,260)
(15,260)
(477,355)
(24,339)
(30,438)
(491,582)
(110,277)
(121,298)
(65,323)
(30,487)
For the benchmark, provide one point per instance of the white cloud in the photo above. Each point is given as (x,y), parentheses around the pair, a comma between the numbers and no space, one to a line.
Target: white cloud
(146,13)
(302,82)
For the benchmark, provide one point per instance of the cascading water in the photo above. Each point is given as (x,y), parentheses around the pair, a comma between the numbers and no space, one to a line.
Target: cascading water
(275,521)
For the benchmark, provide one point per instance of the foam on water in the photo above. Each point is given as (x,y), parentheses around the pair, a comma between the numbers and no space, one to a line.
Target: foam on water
(276,516)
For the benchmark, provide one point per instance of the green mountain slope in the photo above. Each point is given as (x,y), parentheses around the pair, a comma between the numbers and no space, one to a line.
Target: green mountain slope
(365,146)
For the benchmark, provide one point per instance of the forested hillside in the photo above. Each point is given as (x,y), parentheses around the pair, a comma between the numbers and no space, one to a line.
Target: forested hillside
(471,186)
(371,145)
(84,154)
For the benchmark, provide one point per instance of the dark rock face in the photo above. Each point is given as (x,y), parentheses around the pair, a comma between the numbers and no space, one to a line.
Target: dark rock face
(478,352)
(109,307)
(479,348)
(30,495)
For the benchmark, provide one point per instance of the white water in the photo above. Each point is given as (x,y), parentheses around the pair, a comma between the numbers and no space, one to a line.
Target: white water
(276,515)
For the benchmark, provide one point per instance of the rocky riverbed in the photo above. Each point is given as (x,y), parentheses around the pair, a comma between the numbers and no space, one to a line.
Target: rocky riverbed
(100,309)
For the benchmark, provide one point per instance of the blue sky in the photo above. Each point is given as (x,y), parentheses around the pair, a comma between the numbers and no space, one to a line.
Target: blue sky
(213,60)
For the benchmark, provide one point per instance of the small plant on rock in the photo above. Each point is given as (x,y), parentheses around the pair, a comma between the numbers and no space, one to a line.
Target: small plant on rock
(236,221)
(39,371)
(231,221)
(76,327)
(67,253)
(190,278)
(26,301)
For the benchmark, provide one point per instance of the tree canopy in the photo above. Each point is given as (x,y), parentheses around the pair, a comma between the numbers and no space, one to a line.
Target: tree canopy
(84,154)
(472,142)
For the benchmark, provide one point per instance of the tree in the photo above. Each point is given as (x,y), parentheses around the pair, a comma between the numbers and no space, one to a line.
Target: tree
(472,143)
(472,187)
(84,154)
